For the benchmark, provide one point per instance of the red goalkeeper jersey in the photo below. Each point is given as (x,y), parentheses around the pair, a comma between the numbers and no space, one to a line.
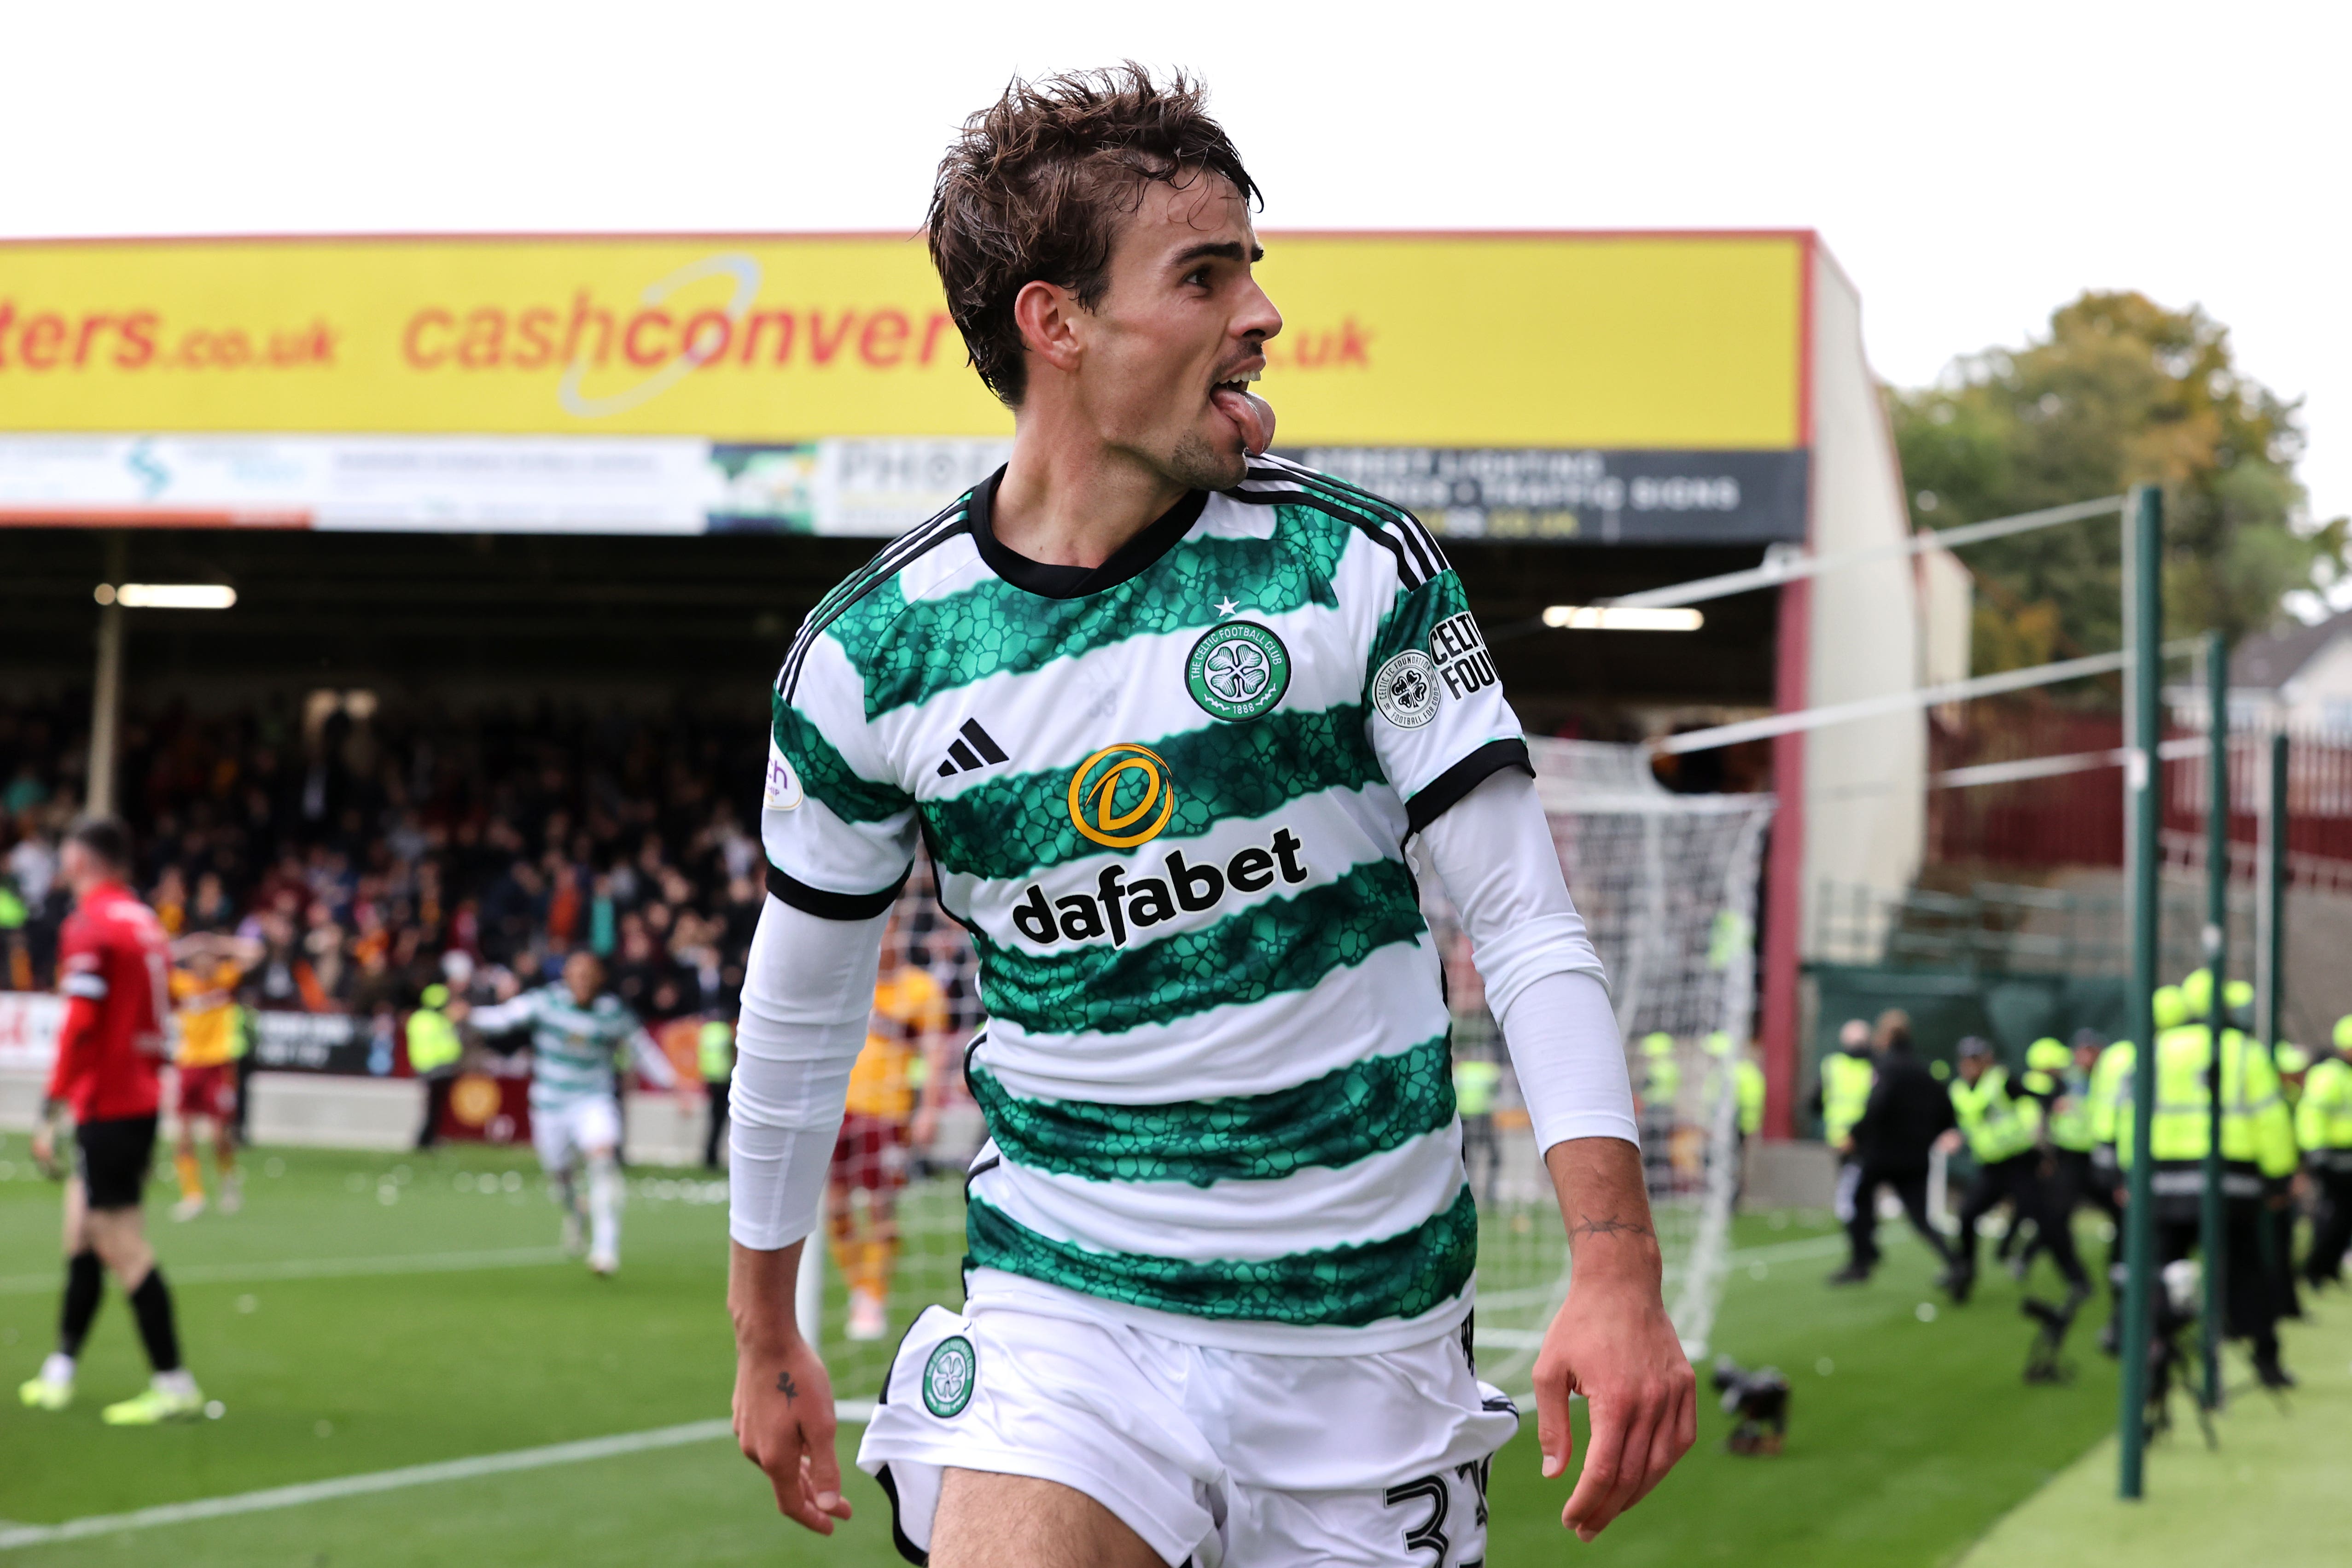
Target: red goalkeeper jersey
(112,962)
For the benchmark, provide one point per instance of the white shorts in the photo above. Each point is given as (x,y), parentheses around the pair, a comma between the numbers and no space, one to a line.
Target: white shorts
(1216,1458)
(568,1129)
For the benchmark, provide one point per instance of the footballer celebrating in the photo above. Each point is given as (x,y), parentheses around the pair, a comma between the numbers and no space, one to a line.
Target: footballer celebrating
(1168,715)
(578,1031)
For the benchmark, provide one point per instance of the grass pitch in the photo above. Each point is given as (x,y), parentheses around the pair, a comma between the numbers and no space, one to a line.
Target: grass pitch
(367,1313)
(2271,1492)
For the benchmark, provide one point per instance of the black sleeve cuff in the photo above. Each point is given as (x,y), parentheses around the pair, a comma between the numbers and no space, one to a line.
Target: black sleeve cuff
(829,906)
(1462,778)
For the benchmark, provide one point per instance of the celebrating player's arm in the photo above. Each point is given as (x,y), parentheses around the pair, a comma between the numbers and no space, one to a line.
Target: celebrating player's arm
(807,995)
(652,1063)
(1611,1341)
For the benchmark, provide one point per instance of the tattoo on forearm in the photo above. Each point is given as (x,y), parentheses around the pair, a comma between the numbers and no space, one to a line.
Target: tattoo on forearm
(1587,1225)
(787,1387)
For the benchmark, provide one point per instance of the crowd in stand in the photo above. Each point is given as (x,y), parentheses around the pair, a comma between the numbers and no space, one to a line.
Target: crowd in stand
(372,852)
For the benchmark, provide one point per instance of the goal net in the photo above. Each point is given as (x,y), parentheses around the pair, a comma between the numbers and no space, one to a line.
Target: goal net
(1667,885)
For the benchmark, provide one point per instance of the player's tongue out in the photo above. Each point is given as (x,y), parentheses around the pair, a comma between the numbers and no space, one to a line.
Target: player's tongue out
(1253,415)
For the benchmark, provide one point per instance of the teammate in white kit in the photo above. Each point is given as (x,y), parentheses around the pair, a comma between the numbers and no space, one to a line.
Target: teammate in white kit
(577,1031)
(1166,713)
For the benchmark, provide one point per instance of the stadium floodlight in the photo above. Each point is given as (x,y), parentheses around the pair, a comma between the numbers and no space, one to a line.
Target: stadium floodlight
(167,595)
(1621,618)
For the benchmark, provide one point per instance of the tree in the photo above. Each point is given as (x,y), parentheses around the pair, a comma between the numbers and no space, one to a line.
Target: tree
(2120,392)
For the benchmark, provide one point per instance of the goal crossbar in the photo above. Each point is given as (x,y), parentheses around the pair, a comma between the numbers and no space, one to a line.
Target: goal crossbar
(1795,565)
(1903,701)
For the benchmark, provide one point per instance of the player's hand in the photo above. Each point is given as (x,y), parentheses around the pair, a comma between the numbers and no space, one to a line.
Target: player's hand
(784,1421)
(1948,1142)
(925,1128)
(45,1149)
(1612,1342)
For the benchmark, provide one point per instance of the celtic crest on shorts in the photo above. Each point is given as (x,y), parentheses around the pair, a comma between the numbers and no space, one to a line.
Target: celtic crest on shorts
(949,1375)
(1237,670)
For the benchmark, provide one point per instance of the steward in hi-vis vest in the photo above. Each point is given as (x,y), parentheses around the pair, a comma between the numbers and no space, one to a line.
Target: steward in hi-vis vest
(2322,1125)
(2002,1129)
(2259,1158)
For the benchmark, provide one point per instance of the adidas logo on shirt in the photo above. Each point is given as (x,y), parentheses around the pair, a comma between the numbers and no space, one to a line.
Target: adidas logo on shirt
(977,749)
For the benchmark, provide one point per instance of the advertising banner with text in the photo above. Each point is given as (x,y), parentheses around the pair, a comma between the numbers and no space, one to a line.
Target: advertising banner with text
(678,384)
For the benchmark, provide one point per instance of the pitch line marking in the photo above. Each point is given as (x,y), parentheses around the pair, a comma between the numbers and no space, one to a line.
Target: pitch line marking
(850,1411)
(321,1268)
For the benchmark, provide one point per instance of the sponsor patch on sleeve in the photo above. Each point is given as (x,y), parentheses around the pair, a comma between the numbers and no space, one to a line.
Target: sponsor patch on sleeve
(782,792)
(1464,665)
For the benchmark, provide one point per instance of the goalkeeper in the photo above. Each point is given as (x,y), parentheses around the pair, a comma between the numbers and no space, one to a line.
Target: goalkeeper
(1168,713)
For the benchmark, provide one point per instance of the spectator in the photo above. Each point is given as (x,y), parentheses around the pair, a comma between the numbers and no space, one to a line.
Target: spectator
(363,847)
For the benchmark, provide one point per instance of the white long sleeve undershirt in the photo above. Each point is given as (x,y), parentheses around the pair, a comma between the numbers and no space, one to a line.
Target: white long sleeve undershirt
(1494,851)
(808,991)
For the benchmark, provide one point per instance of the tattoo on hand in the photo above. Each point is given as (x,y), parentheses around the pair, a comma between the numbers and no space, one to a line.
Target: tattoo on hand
(787,1387)
(1588,1225)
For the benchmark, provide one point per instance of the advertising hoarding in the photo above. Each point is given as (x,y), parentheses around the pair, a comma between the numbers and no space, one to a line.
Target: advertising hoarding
(814,383)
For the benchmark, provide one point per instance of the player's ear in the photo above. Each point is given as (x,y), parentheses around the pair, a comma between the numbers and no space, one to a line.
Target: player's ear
(1048,316)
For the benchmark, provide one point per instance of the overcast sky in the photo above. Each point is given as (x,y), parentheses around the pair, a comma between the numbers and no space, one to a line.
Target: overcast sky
(1971,165)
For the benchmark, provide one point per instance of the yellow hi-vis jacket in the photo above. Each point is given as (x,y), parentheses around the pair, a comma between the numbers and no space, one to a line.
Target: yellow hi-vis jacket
(1998,1125)
(1747,1083)
(2323,1121)
(1846,1093)
(2257,1136)
(714,1051)
(2111,1079)
(432,1042)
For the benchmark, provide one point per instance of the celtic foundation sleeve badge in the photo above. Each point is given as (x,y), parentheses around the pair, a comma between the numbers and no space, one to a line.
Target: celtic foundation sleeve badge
(1405,690)
(1237,671)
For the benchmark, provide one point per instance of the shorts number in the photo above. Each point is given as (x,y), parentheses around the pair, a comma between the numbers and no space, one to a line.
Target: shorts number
(1429,1535)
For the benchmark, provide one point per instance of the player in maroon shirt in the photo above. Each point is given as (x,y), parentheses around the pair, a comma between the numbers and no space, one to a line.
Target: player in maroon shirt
(112,962)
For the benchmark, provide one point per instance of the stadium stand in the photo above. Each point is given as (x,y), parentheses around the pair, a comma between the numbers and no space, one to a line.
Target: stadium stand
(362,845)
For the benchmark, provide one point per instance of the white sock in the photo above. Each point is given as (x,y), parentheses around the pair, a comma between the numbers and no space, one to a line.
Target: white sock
(178,1381)
(604,1208)
(58,1368)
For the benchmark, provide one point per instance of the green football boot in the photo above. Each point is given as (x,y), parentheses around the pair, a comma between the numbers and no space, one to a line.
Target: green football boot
(152,1406)
(40,1393)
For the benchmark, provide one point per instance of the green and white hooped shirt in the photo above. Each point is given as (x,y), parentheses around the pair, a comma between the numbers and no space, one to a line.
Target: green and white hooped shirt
(574,1049)
(1169,797)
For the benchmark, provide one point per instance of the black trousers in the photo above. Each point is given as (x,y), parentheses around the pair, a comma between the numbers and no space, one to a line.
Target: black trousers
(1862,1227)
(437,1086)
(716,1091)
(2250,1306)
(1482,1155)
(2072,1183)
(2331,1231)
(2018,1180)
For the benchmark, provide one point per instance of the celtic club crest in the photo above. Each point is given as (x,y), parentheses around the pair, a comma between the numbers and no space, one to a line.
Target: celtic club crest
(949,1376)
(1237,670)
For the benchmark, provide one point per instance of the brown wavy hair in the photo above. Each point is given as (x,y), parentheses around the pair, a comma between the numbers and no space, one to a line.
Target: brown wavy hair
(1035,184)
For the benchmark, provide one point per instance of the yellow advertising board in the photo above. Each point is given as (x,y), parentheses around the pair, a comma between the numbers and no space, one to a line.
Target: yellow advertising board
(1625,341)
